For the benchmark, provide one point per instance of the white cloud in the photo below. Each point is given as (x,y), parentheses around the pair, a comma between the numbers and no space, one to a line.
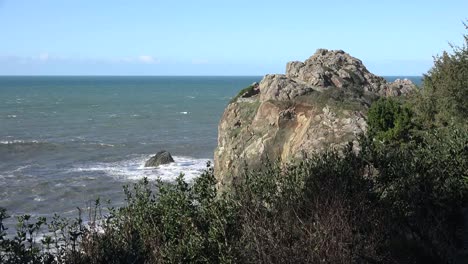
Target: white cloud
(51,58)
(148,59)
(44,56)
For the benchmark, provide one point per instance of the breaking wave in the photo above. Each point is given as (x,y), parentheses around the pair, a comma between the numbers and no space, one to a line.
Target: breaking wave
(133,169)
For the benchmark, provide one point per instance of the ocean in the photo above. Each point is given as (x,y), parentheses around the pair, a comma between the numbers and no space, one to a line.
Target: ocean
(65,141)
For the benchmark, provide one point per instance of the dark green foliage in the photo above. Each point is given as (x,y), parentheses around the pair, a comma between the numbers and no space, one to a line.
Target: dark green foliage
(316,211)
(181,224)
(444,97)
(59,244)
(249,90)
(423,186)
(389,120)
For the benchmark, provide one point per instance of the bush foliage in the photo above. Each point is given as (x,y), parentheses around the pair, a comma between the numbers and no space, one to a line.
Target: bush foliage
(444,98)
(389,120)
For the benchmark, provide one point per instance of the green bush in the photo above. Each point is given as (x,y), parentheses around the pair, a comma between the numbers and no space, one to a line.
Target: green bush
(389,120)
(423,188)
(247,90)
(315,211)
(444,97)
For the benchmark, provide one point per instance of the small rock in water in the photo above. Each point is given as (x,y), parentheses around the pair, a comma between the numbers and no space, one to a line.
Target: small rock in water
(162,157)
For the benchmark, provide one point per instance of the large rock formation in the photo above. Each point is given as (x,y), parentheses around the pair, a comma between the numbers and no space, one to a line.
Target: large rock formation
(317,104)
(162,157)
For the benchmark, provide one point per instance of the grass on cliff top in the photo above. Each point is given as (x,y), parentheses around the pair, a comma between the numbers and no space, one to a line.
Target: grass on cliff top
(241,92)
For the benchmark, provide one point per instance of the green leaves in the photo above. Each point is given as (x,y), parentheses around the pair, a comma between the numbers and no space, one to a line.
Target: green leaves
(389,120)
(444,97)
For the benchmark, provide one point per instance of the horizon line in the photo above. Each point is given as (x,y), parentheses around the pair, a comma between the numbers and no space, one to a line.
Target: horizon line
(175,75)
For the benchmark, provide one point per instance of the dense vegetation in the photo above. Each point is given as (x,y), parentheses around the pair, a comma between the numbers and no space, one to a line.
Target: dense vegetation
(401,199)
(445,94)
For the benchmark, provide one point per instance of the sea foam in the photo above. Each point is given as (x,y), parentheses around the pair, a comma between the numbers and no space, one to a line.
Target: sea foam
(15,141)
(133,169)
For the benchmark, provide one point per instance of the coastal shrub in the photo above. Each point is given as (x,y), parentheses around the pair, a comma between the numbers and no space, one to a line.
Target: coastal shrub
(389,120)
(168,223)
(444,97)
(423,188)
(382,205)
(315,211)
(40,241)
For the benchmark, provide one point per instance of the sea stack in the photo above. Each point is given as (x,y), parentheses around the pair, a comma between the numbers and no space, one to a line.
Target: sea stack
(318,104)
(162,157)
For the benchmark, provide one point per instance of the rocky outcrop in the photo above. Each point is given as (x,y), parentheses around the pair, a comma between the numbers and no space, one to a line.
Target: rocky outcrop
(335,68)
(162,157)
(399,87)
(318,104)
(280,87)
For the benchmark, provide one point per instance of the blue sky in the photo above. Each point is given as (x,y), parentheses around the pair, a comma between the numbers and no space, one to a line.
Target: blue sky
(208,37)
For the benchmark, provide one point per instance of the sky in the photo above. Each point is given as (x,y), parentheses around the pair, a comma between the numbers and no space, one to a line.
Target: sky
(215,37)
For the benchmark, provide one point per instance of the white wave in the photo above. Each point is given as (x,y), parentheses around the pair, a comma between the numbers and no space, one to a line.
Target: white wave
(191,97)
(21,168)
(38,199)
(106,145)
(11,116)
(184,113)
(134,169)
(16,141)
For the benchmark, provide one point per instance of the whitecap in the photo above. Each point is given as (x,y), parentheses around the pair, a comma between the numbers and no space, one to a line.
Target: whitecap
(191,97)
(38,199)
(106,145)
(133,169)
(191,168)
(11,116)
(17,141)
(21,168)
(184,113)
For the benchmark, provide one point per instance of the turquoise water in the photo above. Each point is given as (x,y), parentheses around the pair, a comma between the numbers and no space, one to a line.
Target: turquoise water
(65,141)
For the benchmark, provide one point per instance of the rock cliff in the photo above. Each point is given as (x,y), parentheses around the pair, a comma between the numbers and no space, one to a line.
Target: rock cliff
(319,103)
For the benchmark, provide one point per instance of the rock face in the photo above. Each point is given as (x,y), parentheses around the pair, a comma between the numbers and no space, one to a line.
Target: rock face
(162,157)
(317,104)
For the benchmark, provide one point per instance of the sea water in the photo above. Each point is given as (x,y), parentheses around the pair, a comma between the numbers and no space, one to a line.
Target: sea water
(65,141)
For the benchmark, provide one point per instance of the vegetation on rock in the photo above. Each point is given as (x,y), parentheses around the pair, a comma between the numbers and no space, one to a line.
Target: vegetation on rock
(249,90)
